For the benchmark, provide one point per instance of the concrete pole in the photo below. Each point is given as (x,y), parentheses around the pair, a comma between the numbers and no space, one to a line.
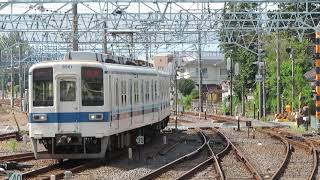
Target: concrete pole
(200,75)
(259,68)
(231,77)
(147,51)
(24,79)
(278,69)
(2,85)
(176,94)
(317,63)
(75,41)
(2,78)
(105,49)
(264,92)
(292,79)
(12,93)
(20,78)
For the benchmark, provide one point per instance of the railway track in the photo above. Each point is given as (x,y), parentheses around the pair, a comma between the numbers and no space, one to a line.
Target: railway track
(59,169)
(301,159)
(211,165)
(74,166)
(18,157)
(166,168)
(7,136)
(210,168)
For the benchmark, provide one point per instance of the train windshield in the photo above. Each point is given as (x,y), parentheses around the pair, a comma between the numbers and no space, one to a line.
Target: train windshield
(92,86)
(43,87)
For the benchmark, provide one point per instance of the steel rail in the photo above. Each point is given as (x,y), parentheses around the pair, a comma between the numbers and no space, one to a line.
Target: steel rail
(285,162)
(8,136)
(315,160)
(302,144)
(213,159)
(166,167)
(77,168)
(39,171)
(18,157)
(241,157)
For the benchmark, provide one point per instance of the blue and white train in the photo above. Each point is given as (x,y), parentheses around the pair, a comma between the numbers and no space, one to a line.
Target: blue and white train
(91,104)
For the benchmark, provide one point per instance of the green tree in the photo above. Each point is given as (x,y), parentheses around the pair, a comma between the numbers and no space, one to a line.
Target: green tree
(185,86)
(238,53)
(302,62)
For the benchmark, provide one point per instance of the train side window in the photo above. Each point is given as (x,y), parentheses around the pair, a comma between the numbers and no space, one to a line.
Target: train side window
(147,91)
(130,97)
(116,97)
(141,91)
(42,87)
(92,86)
(155,91)
(123,92)
(152,91)
(136,92)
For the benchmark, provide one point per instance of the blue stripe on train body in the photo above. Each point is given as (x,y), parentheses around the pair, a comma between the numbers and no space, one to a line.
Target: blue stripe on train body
(69,117)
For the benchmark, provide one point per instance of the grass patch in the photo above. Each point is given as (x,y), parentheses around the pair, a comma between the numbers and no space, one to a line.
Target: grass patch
(3,110)
(300,129)
(12,145)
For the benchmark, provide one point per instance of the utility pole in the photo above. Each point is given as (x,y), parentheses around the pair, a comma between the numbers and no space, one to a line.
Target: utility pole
(176,93)
(20,78)
(12,93)
(2,78)
(292,79)
(261,84)
(105,49)
(200,75)
(278,69)
(231,76)
(75,41)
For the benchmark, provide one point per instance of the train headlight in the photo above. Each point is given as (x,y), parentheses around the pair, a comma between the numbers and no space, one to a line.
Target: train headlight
(96,116)
(39,117)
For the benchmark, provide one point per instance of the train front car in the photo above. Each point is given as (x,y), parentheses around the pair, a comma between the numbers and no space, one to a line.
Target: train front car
(67,110)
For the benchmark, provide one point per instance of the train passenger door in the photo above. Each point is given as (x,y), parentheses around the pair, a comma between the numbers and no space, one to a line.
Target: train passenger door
(68,97)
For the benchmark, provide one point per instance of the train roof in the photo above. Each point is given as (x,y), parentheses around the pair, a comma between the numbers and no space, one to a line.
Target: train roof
(109,66)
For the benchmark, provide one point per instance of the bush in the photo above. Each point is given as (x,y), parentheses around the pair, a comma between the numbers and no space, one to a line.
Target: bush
(186,100)
(185,86)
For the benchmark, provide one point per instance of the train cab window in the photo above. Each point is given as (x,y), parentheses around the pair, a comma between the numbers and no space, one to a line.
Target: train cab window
(92,86)
(42,87)
(67,90)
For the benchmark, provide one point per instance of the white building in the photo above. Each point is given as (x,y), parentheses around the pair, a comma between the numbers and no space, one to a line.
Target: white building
(214,72)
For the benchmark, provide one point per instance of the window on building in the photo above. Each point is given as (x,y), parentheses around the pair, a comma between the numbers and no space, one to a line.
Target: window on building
(223,71)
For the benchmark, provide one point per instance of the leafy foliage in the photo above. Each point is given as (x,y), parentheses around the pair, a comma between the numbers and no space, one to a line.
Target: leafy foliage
(302,62)
(185,86)
(187,101)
